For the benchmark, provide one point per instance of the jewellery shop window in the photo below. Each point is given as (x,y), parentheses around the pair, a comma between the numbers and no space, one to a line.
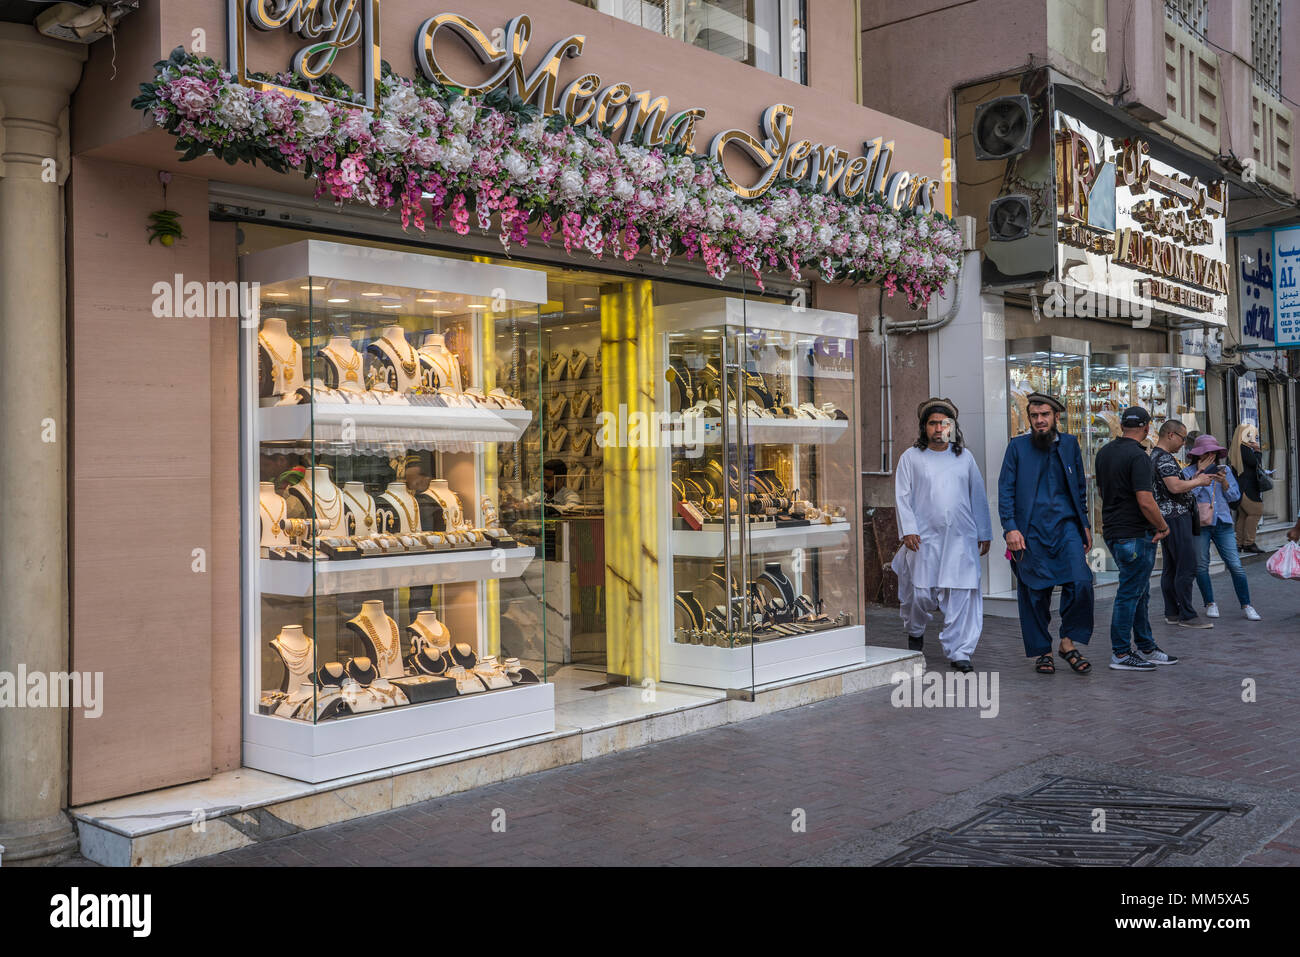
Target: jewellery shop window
(767,449)
(1054,366)
(394,506)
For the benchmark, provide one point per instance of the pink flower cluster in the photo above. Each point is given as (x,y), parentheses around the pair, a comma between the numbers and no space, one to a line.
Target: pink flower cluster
(468,163)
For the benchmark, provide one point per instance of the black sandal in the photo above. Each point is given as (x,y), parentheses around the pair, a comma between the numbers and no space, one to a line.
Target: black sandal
(1044,665)
(1078,663)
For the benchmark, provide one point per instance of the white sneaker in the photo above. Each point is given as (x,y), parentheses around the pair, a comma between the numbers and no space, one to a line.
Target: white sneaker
(1212,610)
(1251,613)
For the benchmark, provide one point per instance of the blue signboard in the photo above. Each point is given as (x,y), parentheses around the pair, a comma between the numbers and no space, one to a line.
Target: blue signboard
(1286,273)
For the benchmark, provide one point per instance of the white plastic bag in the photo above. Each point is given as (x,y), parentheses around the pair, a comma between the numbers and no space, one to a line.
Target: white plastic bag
(1285,562)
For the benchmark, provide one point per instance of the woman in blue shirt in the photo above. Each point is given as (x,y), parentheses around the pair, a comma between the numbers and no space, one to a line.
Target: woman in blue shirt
(1207,455)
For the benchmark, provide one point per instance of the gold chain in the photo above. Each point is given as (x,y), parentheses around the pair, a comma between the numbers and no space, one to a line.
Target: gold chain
(410,521)
(286,365)
(293,659)
(408,367)
(348,368)
(366,511)
(276,531)
(385,654)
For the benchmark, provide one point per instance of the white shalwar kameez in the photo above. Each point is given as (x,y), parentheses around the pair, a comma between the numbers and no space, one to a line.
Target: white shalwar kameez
(940,497)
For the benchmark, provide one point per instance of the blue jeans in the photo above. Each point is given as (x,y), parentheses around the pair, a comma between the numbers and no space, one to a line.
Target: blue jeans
(1224,537)
(1130,615)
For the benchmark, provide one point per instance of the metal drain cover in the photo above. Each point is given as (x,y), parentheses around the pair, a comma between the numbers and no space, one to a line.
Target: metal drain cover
(1072,822)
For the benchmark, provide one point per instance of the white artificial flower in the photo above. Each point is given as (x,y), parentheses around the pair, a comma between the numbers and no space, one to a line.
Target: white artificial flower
(315,120)
(826,235)
(515,165)
(860,242)
(571,182)
(893,249)
(922,228)
(532,132)
(426,150)
(713,217)
(748,223)
(624,189)
(645,198)
(402,102)
(392,138)
(458,152)
(462,114)
(233,109)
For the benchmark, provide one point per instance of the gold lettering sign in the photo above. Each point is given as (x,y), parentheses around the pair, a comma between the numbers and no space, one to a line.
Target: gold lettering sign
(330,26)
(641,117)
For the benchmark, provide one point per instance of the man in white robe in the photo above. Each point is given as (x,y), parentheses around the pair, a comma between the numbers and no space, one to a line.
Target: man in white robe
(943,520)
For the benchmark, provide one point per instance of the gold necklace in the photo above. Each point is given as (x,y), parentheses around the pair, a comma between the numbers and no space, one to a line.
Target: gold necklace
(324,506)
(411,524)
(276,531)
(293,660)
(287,366)
(421,629)
(366,511)
(407,367)
(385,654)
(349,369)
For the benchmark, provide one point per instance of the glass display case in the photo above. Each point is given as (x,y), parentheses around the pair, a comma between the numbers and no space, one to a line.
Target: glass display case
(1055,366)
(760,490)
(388,495)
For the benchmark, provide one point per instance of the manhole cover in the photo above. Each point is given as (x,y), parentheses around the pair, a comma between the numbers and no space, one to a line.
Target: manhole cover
(1072,822)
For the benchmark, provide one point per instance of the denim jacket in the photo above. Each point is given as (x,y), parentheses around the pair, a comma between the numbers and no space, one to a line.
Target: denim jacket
(1221,499)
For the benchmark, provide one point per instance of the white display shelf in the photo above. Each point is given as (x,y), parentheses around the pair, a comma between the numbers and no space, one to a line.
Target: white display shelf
(762,662)
(688,543)
(283,577)
(759,431)
(416,426)
(354,745)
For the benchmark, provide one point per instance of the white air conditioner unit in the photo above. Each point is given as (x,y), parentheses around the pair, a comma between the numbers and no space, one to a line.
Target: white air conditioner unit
(79,23)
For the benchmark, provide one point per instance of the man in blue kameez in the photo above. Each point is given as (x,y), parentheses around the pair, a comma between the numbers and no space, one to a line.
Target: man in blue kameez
(1043,506)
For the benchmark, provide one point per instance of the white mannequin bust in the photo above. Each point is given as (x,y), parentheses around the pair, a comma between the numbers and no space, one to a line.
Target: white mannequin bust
(430,632)
(383,638)
(295,649)
(285,355)
(444,363)
(323,501)
(361,507)
(271,510)
(400,355)
(347,364)
(403,506)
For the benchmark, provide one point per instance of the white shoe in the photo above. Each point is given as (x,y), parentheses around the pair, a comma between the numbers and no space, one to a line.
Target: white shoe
(1251,613)
(1212,610)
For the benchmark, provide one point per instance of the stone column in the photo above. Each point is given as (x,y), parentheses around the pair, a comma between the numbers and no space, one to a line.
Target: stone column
(37,77)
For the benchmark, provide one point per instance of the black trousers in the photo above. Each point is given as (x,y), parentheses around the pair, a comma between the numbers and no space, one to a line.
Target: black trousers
(1179,550)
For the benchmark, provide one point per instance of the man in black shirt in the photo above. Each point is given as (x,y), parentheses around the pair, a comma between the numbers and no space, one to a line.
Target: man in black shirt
(1177,506)
(1131,525)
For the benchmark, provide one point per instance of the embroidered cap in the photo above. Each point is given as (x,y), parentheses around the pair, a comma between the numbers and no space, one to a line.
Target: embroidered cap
(946,404)
(1042,398)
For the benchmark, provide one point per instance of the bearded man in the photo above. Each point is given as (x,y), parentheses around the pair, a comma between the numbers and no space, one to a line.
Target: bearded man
(1043,507)
(943,518)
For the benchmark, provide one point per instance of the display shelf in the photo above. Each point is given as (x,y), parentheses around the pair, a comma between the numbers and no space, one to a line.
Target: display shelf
(760,431)
(743,666)
(281,577)
(415,425)
(688,543)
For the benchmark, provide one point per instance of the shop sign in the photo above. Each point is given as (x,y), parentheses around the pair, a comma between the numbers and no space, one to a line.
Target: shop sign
(1248,399)
(330,26)
(1286,269)
(1132,227)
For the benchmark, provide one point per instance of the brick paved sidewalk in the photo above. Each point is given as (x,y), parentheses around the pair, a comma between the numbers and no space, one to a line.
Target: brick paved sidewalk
(726,796)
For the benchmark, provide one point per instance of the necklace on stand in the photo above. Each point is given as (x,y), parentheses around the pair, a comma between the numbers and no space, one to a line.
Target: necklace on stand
(410,519)
(293,660)
(347,368)
(367,511)
(287,366)
(385,653)
(324,506)
(408,366)
(276,531)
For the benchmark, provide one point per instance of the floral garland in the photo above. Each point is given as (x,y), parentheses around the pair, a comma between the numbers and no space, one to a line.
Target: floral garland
(474,157)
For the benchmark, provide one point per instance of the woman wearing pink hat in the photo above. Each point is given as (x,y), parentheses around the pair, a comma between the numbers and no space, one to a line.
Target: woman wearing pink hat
(1207,454)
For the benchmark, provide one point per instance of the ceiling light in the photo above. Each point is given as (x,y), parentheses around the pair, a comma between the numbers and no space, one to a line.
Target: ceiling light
(427,300)
(314,288)
(372,295)
(336,300)
(275,295)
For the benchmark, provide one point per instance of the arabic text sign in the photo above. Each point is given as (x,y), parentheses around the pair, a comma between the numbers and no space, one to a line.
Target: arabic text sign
(1286,274)
(1255,287)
